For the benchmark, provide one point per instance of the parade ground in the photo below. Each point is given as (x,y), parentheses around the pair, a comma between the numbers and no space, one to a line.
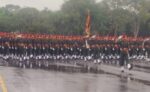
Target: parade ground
(37,80)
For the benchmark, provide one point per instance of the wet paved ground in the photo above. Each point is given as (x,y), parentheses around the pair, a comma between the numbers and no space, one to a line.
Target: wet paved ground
(36,80)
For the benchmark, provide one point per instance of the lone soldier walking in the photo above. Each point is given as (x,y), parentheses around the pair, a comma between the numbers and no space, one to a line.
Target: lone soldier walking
(123,58)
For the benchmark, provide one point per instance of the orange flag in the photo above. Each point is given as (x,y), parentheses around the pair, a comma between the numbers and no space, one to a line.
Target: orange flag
(87,26)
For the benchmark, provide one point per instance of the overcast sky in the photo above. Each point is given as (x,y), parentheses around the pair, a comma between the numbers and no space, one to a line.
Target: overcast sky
(39,4)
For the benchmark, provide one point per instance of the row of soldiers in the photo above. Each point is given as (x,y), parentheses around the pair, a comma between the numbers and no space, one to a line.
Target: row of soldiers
(36,47)
(69,50)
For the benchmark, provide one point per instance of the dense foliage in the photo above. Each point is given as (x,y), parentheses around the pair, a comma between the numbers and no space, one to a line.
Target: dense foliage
(108,17)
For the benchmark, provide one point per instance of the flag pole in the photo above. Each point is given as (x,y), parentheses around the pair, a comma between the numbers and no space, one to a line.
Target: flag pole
(87,29)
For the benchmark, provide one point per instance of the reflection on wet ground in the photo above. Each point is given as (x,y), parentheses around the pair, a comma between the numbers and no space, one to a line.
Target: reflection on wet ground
(36,80)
